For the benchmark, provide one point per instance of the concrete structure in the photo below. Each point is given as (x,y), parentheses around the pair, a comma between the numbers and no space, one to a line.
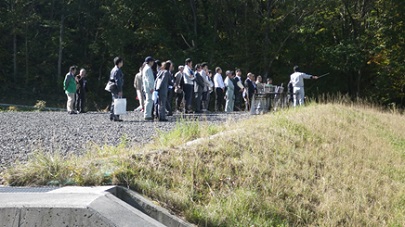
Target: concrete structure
(81,206)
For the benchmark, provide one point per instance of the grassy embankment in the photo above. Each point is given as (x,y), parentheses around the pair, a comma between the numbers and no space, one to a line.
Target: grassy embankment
(324,165)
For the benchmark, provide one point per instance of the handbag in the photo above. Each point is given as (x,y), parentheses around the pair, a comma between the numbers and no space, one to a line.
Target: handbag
(178,90)
(111,87)
(120,106)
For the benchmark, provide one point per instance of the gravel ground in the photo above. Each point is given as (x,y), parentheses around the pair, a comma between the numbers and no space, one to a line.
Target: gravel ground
(22,133)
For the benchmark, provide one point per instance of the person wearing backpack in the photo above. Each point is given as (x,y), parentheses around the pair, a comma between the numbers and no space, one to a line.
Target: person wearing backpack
(69,86)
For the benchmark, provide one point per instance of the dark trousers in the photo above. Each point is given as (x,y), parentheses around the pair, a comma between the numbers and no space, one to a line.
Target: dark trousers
(169,101)
(179,99)
(161,107)
(249,102)
(219,101)
(198,101)
(80,100)
(204,102)
(188,95)
(238,101)
(112,115)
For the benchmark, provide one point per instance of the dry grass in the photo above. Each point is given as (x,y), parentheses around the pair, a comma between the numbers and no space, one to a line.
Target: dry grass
(322,165)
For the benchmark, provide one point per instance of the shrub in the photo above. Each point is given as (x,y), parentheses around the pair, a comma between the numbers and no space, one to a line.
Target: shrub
(40,105)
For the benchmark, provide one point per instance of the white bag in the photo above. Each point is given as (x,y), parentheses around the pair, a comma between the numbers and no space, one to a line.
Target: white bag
(120,106)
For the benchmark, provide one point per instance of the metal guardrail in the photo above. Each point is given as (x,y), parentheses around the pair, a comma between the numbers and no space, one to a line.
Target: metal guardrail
(269,100)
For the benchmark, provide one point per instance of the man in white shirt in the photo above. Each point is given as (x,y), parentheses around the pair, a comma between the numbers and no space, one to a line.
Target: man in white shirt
(188,77)
(219,89)
(297,81)
(208,86)
(148,81)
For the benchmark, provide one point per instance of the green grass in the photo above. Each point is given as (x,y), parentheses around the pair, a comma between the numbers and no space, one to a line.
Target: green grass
(322,165)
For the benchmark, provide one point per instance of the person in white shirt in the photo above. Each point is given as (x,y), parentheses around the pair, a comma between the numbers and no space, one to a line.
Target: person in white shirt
(219,89)
(297,81)
(188,77)
(148,81)
(208,86)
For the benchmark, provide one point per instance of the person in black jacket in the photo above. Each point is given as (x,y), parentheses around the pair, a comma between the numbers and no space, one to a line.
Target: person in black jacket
(81,89)
(250,85)
(178,87)
(170,91)
(117,77)
(198,88)
(161,87)
(238,90)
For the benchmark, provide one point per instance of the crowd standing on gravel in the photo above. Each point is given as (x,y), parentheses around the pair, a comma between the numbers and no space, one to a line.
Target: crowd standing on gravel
(161,91)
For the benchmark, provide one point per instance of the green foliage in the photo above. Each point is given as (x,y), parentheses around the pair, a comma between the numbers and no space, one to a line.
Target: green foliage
(359,42)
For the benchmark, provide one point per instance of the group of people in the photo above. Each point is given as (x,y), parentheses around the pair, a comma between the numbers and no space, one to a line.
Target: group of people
(188,90)
(161,91)
(75,87)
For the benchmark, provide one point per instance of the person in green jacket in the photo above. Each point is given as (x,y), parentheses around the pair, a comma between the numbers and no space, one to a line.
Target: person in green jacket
(69,85)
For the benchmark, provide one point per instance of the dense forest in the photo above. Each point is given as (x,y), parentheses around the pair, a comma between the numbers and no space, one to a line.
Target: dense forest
(360,42)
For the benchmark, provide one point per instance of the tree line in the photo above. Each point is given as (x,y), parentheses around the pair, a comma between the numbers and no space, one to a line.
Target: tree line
(360,42)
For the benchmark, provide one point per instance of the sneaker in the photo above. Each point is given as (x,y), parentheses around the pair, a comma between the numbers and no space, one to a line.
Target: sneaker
(163,120)
(148,118)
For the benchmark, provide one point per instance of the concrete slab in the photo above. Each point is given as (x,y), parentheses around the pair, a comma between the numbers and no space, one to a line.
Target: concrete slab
(71,206)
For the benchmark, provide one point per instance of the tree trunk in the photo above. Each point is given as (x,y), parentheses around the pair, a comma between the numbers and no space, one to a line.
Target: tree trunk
(194,10)
(267,43)
(14,42)
(26,53)
(15,57)
(61,28)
